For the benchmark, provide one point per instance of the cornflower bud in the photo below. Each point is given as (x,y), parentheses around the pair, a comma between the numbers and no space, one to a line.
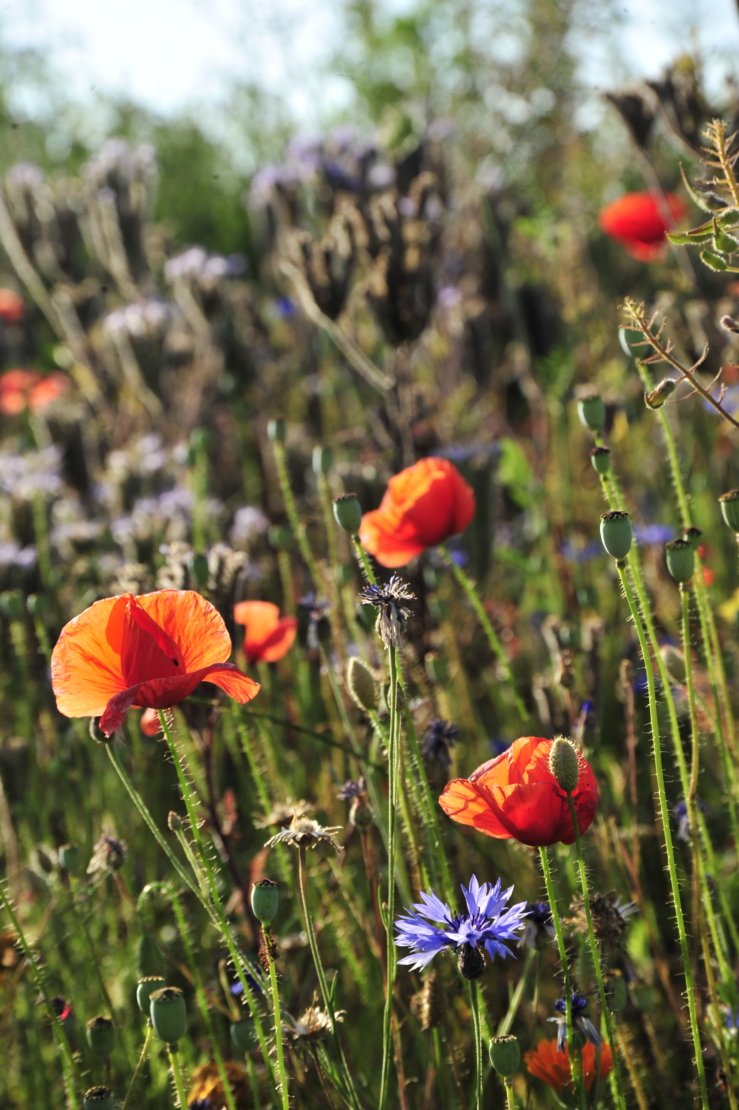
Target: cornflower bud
(265,899)
(277,430)
(600,457)
(70,857)
(656,398)
(98,1098)
(146,987)
(592,412)
(616,533)
(101,1036)
(168,1013)
(564,764)
(348,513)
(680,560)
(361,685)
(505,1055)
(729,503)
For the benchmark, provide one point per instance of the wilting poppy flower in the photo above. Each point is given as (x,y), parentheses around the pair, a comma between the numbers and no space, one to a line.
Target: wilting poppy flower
(268,637)
(11,307)
(146,652)
(25,389)
(423,506)
(548,1063)
(637,221)
(515,796)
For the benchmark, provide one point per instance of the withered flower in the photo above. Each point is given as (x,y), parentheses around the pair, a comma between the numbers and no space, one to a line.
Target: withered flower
(109,854)
(282,813)
(610,917)
(312,1025)
(304,832)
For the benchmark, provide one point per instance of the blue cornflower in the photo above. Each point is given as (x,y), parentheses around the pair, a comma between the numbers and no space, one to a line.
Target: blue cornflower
(653,534)
(440,737)
(485,924)
(680,813)
(539,926)
(580,1021)
(352,789)
(732,1019)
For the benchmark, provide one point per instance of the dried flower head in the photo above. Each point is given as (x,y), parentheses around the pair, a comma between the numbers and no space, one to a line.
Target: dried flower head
(283,813)
(312,1025)
(304,832)
(392,614)
(109,854)
(610,917)
(440,737)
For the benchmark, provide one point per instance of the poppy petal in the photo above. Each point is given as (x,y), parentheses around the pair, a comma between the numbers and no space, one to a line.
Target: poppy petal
(85,666)
(195,626)
(464,802)
(278,643)
(383,537)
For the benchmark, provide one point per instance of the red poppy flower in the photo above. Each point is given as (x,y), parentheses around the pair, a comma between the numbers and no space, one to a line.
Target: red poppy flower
(423,505)
(638,222)
(516,797)
(25,389)
(145,652)
(11,307)
(150,724)
(267,637)
(547,1063)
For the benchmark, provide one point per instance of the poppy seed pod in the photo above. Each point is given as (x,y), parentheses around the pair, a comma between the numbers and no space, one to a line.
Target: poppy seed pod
(277,430)
(242,1034)
(11,605)
(265,898)
(564,764)
(70,857)
(680,559)
(168,1013)
(600,457)
(693,535)
(36,605)
(616,533)
(348,513)
(323,460)
(361,685)
(146,987)
(101,1036)
(98,1098)
(505,1055)
(656,398)
(592,412)
(729,503)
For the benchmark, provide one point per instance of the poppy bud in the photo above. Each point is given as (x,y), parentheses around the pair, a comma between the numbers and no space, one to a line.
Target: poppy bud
(168,1013)
(174,821)
(98,1098)
(729,503)
(657,397)
(11,605)
(348,513)
(277,430)
(680,560)
(199,570)
(265,899)
(146,987)
(592,412)
(35,604)
(101,1036)
(505,1055)
(693,535)
(323,460)
(564,764)
(471,962)
(361,685)
(242,1034)
(616,534)
(600,457)
(674,661)
(70,857)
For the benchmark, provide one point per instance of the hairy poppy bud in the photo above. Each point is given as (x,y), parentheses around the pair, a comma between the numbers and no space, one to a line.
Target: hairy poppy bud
(729,503)
(592,412)
(674,661)
(70,857)
(680,560)
(98,1098)
(265,899)
(199,570)
(361,685)
(277,430)
(174,821)
(323,460)
(101,1036)
(600,457)
(656,398)
(348,513)
(564,764)
(146,987)
(242,1034)
(505,1055)
(616,534)
(168,1013)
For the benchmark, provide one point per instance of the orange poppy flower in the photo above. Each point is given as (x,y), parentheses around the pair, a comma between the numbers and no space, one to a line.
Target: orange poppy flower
(637,221)
(547,1063)
(516,797)
(11,307)
(423,505)
(25,389)
(267,637)
(146,652)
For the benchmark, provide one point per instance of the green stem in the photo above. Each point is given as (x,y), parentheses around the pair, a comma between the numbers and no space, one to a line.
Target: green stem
(667,832)
(505,1025)
(620,1101)
(364,561)
(391,965)
(477,1034)
(510,1099)
(293,516)
(284,1091)
(139,1067)
(173,1053)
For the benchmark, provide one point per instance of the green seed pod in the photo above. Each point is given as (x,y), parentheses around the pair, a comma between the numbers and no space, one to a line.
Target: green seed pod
(616,533)
(279,537)
(592,412)
(505,1055)
(361,685)
(693,536)
(36,605)
(101,1036)
(674,661)
(564,764)
(98,1098)
(680,559)
(656,398)
(323,460)
(168,1013)
(277,430)
(265,898)
(199,570)
(146,987)
(70,857)
(600,457)
(729,503)
(11,605)
(242,1034)
(348,513)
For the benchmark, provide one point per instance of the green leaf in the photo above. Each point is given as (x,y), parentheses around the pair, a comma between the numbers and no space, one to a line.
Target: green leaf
(724,244)
(515,473)
(713,261)
(695,196)
(688,238)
